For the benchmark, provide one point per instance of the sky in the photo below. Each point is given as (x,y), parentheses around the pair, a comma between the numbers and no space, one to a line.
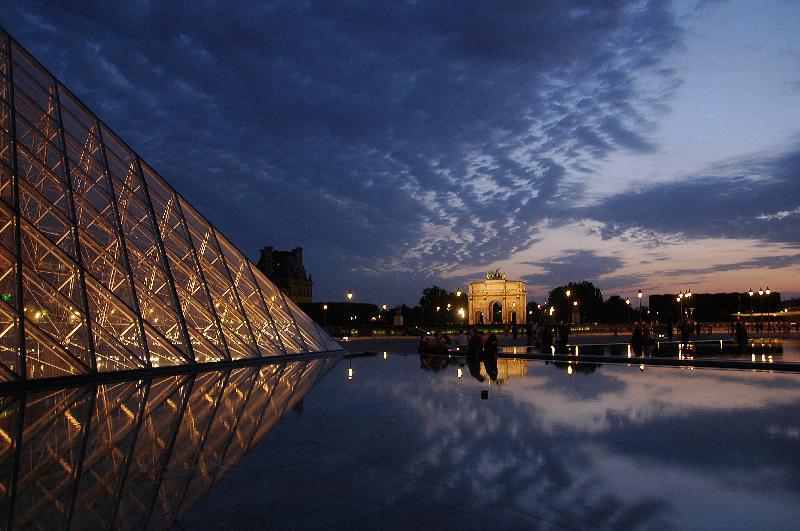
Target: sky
(637,145)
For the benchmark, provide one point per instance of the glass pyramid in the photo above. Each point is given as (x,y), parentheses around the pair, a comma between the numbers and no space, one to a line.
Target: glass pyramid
(104,266)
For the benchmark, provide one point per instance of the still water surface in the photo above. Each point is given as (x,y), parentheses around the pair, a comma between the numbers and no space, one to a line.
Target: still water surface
(406,442)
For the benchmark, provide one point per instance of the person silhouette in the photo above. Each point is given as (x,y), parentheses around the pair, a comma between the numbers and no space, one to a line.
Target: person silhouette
(490,356)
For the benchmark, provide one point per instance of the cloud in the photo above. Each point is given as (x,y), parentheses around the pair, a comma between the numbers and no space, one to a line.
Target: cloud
(407,137)
(745,198)
(405,143)
(576,265)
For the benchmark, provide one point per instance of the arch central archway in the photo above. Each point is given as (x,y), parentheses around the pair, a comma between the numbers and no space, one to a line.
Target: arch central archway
(497,312)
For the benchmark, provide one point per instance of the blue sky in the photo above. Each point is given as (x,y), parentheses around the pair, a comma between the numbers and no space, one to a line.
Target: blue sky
(650,145)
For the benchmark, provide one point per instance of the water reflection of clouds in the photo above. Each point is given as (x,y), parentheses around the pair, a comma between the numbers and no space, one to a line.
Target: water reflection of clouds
(641,396)
(550,436)
(508,458)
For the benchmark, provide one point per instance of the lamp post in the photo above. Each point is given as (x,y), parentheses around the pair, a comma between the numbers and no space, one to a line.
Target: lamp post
(325,316)
(628,304)
(640,305)
(769,319)
(761,308)
(751,305)
(350,306)
(437,314)
(575,312)
(687,296)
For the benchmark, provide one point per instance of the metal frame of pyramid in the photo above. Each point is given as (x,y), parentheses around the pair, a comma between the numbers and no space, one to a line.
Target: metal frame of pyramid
(103,266)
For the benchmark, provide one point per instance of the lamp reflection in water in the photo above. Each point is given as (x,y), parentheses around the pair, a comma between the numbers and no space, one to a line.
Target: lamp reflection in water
(137,454)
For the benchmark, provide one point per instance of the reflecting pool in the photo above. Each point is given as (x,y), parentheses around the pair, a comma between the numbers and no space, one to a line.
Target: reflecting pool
(399,441)
(402,441)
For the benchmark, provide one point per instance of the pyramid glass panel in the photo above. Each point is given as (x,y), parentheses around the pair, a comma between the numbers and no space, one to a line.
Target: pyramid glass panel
(103,265)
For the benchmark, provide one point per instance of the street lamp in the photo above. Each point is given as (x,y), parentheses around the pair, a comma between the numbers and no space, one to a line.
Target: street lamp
(687,296)
(751,305)
(628,304)
(325,316)
(575,310)
(458,292)
(349,304)
(761,308)
(640,305)
(769,320)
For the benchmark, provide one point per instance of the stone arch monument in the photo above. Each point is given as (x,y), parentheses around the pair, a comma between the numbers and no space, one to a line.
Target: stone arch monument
(496,300)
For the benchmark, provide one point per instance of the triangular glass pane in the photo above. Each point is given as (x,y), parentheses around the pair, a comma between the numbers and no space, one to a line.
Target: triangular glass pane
(237,333)
(116,331)
(46,357)
(197,311)
(9,311)
(162,351)
(240,271)
(306,326)
(49,220)
(277,310)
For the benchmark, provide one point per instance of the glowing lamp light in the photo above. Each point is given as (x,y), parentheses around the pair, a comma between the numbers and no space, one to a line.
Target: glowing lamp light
(349,373)
(569,369)
(349,295)
(385,355)
(639,294)
(459,373)
(568,293)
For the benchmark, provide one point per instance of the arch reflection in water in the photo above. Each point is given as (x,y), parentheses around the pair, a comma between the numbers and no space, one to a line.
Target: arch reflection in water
(138,453)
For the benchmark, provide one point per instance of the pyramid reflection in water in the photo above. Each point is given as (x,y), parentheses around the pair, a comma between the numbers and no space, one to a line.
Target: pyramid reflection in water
(103,266)
(136,454)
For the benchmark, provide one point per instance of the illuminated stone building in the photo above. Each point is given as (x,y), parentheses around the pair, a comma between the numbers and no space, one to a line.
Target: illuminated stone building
(285,269)
(496,300)
(104,267)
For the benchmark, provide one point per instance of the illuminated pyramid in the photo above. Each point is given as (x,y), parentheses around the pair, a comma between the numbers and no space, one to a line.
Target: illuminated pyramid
(103,266)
